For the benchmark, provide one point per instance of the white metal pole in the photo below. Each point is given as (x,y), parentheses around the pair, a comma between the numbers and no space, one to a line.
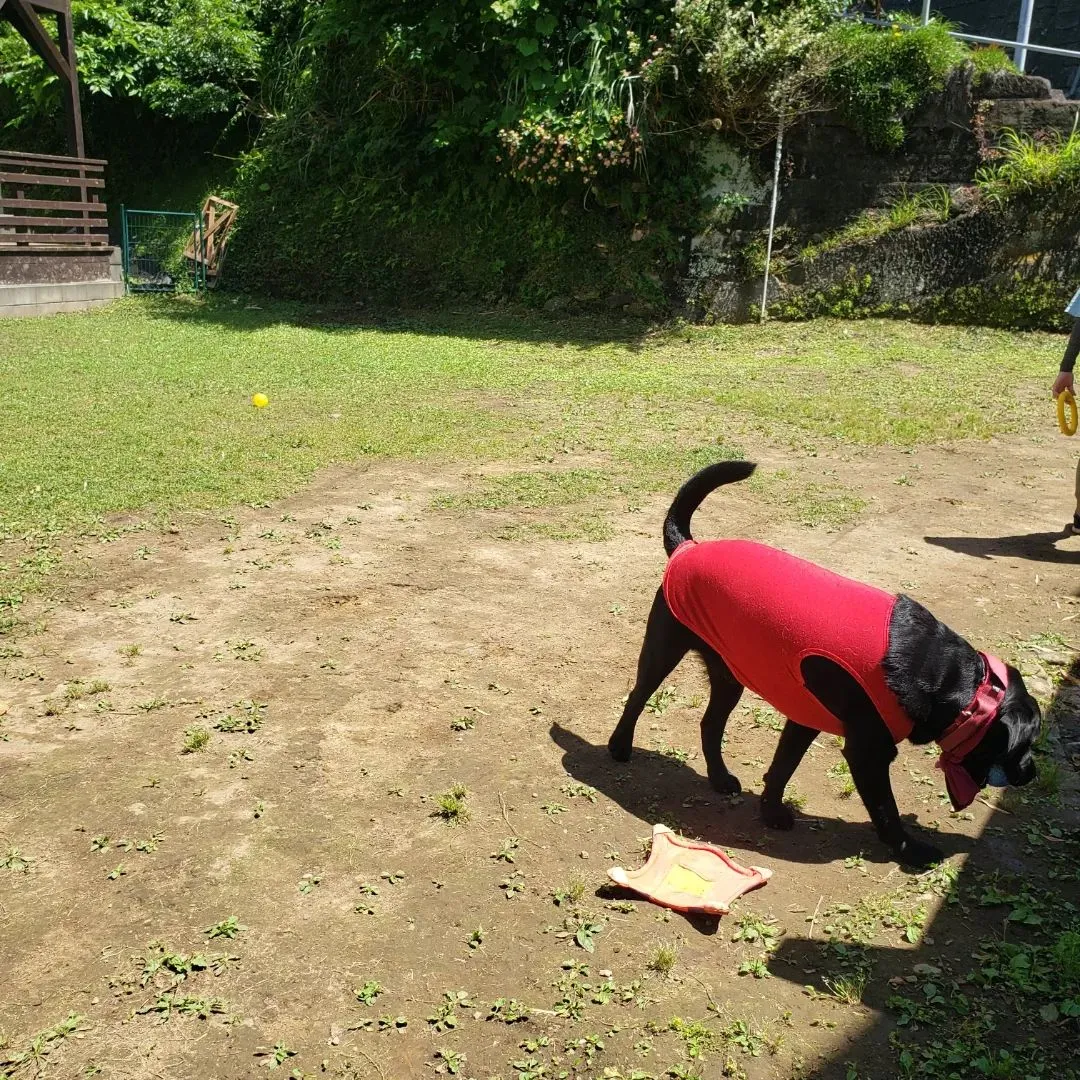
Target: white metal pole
(926,12)
(772,217)
(1023,33)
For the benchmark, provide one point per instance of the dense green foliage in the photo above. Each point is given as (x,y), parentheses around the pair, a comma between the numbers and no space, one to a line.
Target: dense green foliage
(552,151)
(182,59)
(1024,165)
(548,150)
(170,90)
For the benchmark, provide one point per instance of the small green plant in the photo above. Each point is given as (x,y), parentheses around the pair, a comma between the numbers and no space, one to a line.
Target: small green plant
(514,885)
(452,1061)
(445,1017)
(570,893)
(795,799)
(753,929)
(227,928)
(664,959)
(130,651)
(847,987)
(586,932)
(14,859)
(195,739)
(553,809)
(308,883)
(463,723)
(757,966)
(506,851)
(582,791)
(508,1011)
(367,993)
(452,807)
(276,1056)
(662,700)
(239,756)
(1026,165)
(475,938)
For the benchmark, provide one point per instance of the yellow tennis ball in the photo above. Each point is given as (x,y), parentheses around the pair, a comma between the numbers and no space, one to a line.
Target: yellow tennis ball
(260,401)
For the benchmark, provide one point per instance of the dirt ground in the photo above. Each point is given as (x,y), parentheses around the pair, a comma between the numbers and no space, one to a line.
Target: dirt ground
(367,623)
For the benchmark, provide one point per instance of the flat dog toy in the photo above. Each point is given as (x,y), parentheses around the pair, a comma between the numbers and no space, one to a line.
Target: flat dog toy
(687,875)
(1066,408)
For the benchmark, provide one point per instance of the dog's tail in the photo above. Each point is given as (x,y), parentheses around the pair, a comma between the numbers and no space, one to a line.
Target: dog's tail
(692,494)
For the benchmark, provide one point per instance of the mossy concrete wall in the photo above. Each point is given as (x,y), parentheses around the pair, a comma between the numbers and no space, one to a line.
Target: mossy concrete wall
(829,177)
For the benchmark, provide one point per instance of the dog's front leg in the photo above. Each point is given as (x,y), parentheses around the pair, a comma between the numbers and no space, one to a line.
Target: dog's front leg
(795,740)
(666,642)
(869,761)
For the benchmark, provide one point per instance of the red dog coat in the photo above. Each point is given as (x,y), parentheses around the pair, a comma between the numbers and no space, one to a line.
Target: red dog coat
(763,610)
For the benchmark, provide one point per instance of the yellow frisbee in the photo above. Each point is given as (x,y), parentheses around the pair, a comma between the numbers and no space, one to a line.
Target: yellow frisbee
(1066,410)
(260,401)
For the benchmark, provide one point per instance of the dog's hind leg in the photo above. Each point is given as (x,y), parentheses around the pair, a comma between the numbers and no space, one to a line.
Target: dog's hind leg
(724,696)
(666,642)
(795,740)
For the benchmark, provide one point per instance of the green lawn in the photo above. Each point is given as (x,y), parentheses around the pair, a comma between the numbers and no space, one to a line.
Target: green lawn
(146,407)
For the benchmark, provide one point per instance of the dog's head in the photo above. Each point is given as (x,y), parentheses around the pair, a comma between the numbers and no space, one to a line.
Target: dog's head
(1005,752)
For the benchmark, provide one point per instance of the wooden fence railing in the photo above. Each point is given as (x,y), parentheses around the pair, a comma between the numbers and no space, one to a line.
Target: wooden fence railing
(51,202)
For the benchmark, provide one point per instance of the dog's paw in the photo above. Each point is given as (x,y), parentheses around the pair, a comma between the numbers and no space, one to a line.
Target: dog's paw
(619,749)
(918,855)
(777,815)
(725,783)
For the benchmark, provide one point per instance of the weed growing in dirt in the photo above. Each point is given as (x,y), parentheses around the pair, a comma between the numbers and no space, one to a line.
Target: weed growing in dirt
(14,859)
(514,885)
(664,959)
(452,807)
(195,739)
(227,928)
(582,791)
(367,993)
(753,929)
(508,1011)
(662,700)
(757,966)
(847,988)
(34,1056)
(506,851)
(308,883)
(570,893)
(276,1056)
(445,1017)
(452,1061)
(463,723)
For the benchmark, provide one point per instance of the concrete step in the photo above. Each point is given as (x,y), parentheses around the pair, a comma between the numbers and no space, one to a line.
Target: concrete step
(57,297)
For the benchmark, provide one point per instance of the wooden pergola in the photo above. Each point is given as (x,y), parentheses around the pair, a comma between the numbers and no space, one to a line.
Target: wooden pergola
(58,53)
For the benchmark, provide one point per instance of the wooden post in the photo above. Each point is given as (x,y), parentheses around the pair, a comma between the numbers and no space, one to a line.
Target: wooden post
(71,91)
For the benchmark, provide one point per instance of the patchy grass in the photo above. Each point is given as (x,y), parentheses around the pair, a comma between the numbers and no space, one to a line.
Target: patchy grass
(182,435)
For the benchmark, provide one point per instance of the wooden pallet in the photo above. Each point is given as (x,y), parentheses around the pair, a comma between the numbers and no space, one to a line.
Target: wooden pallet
(218,217)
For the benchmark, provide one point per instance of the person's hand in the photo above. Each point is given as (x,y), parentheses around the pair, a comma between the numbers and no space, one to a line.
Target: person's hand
(1064,381)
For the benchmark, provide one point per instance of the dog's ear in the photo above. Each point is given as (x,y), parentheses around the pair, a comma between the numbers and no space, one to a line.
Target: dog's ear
(1021,715)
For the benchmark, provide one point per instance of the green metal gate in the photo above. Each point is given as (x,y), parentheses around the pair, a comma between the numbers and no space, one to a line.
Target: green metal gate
(163,251)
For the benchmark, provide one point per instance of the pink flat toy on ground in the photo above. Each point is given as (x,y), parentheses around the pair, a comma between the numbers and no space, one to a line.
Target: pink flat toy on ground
(688,875)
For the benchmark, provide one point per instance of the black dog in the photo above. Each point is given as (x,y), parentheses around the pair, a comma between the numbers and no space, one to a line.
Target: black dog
(927,680)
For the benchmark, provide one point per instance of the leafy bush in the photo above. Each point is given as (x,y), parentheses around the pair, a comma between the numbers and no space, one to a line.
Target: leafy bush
(990,58)
(1029,166)
(880,78)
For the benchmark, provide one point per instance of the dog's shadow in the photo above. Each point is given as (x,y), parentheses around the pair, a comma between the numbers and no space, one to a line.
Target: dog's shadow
(655,787)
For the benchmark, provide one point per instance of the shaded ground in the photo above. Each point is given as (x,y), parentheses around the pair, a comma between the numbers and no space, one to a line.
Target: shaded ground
(368,617)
